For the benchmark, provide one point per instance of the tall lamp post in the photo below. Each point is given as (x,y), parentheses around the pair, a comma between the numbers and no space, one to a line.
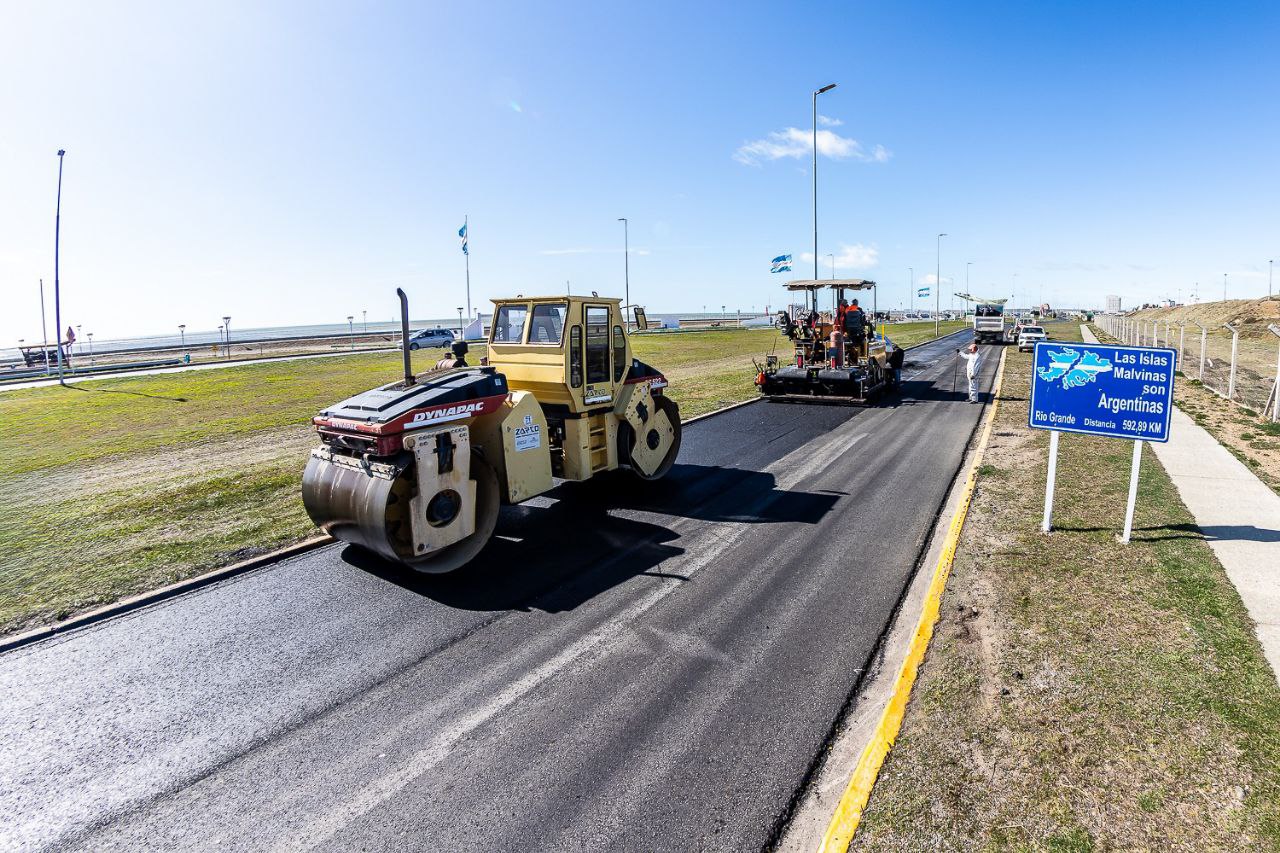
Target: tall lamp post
(182,331)
(90,336)
(833,264)
(226,322)
(351,332)
(1269,265)
(937,292)
(44,331)
(626,265)
(364,318)
(1224,287)
(460,331)
(826,88)
(57,290)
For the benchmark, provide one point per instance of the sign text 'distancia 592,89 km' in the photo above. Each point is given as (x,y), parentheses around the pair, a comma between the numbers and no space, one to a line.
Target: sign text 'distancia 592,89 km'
(1121,392)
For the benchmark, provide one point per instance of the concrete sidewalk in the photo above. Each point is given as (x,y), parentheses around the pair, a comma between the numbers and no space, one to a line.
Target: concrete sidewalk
(1237,513)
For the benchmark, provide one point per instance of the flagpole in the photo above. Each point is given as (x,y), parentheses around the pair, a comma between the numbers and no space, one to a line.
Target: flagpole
(466,226)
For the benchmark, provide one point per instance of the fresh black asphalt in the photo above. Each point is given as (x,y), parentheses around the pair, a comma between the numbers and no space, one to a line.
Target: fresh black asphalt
(627,666)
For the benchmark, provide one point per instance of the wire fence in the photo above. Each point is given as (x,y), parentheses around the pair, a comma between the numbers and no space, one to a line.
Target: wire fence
(1242,367)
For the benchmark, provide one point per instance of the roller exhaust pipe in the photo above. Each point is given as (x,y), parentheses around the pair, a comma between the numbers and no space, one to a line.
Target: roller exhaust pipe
(404,336)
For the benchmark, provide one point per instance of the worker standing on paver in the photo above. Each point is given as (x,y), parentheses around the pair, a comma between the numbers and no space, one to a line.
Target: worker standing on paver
(973,363)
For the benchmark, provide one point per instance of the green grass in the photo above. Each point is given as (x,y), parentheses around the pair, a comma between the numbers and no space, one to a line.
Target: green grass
(1104,696)
(114,486)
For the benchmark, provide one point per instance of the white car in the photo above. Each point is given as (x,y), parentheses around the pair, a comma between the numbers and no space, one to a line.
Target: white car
(1027,337)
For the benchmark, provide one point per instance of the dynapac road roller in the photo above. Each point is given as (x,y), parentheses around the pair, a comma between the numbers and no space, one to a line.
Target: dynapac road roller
(416,470)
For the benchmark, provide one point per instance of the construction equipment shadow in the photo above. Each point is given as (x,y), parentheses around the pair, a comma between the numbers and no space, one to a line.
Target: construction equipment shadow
(555,557)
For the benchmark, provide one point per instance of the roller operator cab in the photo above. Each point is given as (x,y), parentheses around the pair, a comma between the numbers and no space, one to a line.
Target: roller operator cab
(416,470)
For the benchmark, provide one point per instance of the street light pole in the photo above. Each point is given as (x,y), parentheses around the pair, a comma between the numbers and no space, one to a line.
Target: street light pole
(227,324)
(818,92)
(911,288)
(460,330)
(364,318)
(937,293)
(44,331)
(626,265)
(1269,270)
(1224,287)
(833,264)
(182,330)
(57,290)
(351,332)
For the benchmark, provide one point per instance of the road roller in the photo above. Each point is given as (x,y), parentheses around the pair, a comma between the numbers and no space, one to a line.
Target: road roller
(417,470)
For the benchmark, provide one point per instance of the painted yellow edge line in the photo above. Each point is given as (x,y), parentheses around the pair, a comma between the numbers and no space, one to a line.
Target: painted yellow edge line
(848,813)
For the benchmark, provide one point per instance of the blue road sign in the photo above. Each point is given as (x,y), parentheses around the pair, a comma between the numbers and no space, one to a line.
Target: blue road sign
(1119,392)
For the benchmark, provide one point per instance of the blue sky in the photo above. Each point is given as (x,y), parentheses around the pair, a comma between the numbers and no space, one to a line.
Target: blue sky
(294,163)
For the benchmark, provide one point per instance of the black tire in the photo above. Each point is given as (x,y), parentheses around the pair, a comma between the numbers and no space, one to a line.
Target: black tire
(413,347)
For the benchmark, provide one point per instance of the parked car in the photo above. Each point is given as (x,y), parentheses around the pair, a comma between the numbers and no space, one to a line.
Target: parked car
(1028,335)
(427,338)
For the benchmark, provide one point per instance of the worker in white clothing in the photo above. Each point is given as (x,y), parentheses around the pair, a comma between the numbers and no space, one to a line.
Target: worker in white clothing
(973,363)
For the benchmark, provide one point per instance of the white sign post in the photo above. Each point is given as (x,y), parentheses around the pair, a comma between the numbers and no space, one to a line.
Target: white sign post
(1133,492)
(1047,524)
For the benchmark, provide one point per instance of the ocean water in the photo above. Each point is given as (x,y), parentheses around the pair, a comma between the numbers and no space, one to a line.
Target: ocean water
(269,333)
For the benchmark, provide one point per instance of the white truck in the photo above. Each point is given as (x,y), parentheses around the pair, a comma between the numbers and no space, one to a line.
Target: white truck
(989,323)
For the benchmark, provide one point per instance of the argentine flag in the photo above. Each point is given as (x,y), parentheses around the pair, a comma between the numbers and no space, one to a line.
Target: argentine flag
(782,263)
(462,232)
(924,291)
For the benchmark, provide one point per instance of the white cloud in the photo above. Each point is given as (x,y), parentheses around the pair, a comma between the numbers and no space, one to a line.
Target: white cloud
(826,121)
(796,143)
(586,251)
(933,279)
(850,257)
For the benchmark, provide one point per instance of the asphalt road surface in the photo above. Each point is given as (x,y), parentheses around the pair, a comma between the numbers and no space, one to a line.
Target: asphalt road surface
(625,667)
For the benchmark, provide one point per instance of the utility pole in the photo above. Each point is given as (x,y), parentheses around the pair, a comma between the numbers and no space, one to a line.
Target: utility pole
(227,323)
(626,267)
(44,330)
(937,293)
(57,290)
(826,88)
(1224,287)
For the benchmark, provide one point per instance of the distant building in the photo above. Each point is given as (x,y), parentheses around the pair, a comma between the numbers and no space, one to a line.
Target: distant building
(1113,304)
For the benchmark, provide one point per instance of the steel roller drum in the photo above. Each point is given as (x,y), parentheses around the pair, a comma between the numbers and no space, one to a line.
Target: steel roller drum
(369,507)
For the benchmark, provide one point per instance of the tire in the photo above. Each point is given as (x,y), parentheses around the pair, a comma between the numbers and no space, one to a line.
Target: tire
(413,347)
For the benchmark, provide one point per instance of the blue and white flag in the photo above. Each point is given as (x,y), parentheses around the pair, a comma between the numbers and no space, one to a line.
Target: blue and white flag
(924,291)
(462,232)
(782,263)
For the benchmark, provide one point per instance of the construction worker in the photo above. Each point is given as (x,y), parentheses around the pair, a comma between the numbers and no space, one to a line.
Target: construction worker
(973,363)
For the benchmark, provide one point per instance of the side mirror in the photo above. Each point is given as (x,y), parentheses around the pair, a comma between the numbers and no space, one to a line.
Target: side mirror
(642,322)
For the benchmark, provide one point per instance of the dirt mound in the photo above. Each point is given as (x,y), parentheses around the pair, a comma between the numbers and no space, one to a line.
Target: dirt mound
(1252,314)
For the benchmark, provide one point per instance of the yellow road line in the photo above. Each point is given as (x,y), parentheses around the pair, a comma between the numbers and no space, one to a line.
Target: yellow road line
(848,813)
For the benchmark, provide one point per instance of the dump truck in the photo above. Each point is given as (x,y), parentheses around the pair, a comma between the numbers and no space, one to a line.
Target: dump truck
(416,470)
(829,361)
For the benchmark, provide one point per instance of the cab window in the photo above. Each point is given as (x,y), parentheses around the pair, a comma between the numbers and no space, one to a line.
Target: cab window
(508,324)
(597,344)
(619,353)
(547,325)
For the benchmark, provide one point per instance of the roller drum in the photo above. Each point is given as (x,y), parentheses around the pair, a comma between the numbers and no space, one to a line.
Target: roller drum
(355,505)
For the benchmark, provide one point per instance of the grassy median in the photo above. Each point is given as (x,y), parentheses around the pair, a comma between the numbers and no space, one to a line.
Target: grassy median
(115,486)
(1081,694)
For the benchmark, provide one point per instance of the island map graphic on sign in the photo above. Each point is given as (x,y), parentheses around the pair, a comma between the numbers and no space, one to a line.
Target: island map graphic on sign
(1073,368)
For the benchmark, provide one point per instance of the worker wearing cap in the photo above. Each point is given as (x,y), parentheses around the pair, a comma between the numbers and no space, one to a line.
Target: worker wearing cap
(973,363)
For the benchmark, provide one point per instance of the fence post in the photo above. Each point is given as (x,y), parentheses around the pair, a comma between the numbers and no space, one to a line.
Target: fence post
(1182,342)
(1204,333)
(1235,342)
(1275,389)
